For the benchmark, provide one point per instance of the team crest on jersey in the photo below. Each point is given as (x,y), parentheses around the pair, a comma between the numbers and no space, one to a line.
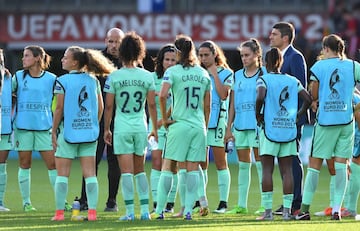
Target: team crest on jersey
(284,96)
(25,87)
(83,96)
(334,80)
(239,86)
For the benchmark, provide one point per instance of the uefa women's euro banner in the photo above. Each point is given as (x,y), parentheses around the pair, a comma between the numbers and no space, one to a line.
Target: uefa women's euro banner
(57,31)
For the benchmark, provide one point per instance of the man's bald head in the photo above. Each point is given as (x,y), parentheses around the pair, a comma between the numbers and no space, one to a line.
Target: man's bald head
(113,40)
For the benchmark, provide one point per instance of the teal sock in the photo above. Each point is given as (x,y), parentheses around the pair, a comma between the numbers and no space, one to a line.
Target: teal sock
(224,184)
(92,191)
(287,200)
(340,185)
(142,187)
(206,178)
(192,180)
(202,184)
(3,182)
(267,197)
(154,181)
(52,177)
(332,189)
(164,187)
(127,189)
(354,187)
(259,173)
(182,186)
(61,191)
(311,181)
(244,178)
(24,179)
(173,191)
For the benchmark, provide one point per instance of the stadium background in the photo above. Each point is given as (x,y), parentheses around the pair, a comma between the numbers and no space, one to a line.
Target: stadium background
(57,24)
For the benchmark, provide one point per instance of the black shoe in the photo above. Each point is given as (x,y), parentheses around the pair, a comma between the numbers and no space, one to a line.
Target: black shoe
(303,216)
(111,206)
(279,211)
(335,216)
(197,204)
(169,208)
(221,208)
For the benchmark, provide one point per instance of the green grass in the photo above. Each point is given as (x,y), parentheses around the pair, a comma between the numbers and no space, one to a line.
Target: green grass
(42,197)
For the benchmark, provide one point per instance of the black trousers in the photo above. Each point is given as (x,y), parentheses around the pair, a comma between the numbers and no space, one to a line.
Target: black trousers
(298,173)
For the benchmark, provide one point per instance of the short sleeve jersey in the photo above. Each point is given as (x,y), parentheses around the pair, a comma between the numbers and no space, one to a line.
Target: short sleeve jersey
(188,86)
(130,87)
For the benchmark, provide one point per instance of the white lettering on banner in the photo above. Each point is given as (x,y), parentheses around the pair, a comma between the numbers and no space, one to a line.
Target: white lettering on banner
(207,23)
(95,26)
(226,29)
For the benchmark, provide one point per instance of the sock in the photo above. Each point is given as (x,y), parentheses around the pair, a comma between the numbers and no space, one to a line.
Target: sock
(244,178)
(192,181)
(332,189)
(127,189)
(206,178)
(182,186)
(164,187)
(354,187)
(61,191)
(201,190)
(311,181)
(24,179)
(52,177)
(340,185)
(259,173)
(3,182)
(267,197)
(142,187)
(224,184)
(173,191)
(154,181)
(287,200)
(92,191)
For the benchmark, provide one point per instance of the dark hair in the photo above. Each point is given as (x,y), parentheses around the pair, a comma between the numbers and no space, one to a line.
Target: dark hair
(273,60)
(286,29)
(44,60)
(132,48)
(220,58)
(159,68)
(335,43)
(185,46)
(254,45)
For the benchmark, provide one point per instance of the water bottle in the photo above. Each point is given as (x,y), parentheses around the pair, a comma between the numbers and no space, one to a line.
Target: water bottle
(230,146)
(153,145)
(75,208)
(75,216)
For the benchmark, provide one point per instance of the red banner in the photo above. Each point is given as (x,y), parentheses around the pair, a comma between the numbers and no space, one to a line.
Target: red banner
(53,30)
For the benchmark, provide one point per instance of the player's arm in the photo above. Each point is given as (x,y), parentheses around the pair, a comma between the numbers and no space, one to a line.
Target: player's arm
(207,100)
(108,114)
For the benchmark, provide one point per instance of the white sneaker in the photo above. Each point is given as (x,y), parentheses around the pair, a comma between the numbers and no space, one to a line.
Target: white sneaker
(4,209)
(220,210)
(320,214)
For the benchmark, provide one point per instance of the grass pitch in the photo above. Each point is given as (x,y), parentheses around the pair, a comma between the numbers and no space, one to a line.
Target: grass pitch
(42,197)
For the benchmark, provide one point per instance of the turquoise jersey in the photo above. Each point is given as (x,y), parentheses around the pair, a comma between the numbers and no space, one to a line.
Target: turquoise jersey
(130,87)
(188,87)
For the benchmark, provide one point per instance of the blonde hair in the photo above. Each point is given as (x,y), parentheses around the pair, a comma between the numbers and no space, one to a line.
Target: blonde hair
(93,61)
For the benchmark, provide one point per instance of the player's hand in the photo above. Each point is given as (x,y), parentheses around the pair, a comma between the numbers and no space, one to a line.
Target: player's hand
(108,137)
(167,123)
